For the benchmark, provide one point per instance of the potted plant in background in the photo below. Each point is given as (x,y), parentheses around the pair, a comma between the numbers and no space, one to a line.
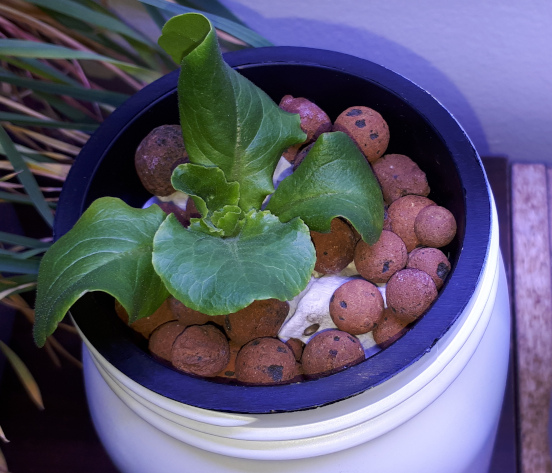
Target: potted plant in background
(65,66)
(367,408)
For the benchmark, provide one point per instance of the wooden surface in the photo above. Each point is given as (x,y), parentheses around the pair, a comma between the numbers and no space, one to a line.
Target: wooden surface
(61,438)
(531,195)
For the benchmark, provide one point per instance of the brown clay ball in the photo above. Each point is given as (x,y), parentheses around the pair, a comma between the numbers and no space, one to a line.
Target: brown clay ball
(435,226)
(229,371)
(378,262)
(296,346)
(201,350)
(162,338)
(300,156)
(367,129)
(402,214)
(398,176)
(389,328)
(386,221)
(156,157)
(356,306)
(265,360)
(409,293)
(187,316)
(431,260)
(259,319)
(314,121)
(335,249)
(331,351)
(146,325)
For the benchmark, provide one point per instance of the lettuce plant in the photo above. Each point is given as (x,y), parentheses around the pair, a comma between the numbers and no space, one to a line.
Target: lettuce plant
(239,250)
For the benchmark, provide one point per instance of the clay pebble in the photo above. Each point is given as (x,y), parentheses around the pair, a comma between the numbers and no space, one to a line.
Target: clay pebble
(296,347)
(356,306)
(265,361)
(146,325)
(435,226)
(331,351)
(187,316)
(409,293)
(162,338)
(402,214)
(335,249)
(262,318)
(202,350)
(389,328)
(431,260)
(314,121)
(378,262)
(398,176)
(366,128)
(229,371)
(157,156)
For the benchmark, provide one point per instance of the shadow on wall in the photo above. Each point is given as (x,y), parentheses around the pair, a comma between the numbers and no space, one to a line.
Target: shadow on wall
(362,43)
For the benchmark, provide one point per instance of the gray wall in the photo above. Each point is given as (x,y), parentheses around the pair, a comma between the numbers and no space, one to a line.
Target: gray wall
(489,61)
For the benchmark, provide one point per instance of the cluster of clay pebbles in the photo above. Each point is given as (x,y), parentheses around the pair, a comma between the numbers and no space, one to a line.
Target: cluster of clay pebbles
(407,261)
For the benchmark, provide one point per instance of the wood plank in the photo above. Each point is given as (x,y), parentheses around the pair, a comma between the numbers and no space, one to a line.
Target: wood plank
(533,307)
(505,454)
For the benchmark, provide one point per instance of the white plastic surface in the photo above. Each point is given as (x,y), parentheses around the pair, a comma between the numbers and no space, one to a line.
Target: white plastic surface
(455,433)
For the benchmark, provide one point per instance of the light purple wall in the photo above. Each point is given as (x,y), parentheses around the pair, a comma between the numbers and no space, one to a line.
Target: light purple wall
(488,61)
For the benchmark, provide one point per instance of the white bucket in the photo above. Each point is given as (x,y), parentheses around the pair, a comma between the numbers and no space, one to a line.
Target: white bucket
(440,414)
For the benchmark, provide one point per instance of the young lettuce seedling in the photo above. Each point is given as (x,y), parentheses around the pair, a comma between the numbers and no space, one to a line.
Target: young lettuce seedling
(235,253)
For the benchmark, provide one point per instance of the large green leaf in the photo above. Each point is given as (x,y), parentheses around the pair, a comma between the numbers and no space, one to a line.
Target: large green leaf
(333,180)
(109,249)
(266,259)
(226,120)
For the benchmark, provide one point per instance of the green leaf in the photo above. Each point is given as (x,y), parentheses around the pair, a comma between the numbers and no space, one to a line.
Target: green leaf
(14,281)
(11,264)
(21,199)
(109,249)
(205,225)
(19,119)
(232,28)
(23,374)
(104,21)
(78,92)
(26,177)
(226,120)
(228,219)
(266,259)
(333,180)
(13,239)
(207,185)
(31,49)
(39,69)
